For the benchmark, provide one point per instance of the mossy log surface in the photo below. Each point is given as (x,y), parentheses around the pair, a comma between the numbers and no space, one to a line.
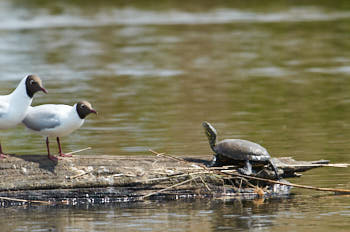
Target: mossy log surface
(106,178)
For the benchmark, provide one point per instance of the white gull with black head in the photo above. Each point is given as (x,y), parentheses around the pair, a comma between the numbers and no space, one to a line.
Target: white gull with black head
(14,106)
(52,120)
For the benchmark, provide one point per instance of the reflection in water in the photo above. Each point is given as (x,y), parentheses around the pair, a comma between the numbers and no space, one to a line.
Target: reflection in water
(273,73)
(196,215)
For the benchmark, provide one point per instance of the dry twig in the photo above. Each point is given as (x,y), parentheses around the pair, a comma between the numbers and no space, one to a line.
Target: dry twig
(79,175)
(170,187)
(73,152)
(205,184)
(26,201)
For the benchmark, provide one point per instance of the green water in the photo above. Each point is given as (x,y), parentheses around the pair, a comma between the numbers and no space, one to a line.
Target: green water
(273,72)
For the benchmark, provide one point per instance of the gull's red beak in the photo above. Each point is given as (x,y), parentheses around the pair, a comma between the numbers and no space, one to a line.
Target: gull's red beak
(93,111)
(44,90)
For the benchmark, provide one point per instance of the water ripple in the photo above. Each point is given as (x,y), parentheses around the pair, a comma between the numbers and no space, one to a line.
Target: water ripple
(133,16)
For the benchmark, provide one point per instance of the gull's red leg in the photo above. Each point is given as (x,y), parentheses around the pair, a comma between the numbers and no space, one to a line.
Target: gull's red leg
(51,157)
(60,150)
(2,155)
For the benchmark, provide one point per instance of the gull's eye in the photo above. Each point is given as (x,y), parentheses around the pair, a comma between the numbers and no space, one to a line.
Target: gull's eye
(32,82)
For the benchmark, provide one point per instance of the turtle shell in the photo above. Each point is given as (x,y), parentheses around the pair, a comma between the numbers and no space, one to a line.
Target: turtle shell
(238,149)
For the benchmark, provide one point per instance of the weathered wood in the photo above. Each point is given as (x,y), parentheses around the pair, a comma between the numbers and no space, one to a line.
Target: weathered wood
(119,178)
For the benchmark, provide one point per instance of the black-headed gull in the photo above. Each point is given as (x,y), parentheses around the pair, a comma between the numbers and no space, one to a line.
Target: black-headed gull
(52,120)
(13,107)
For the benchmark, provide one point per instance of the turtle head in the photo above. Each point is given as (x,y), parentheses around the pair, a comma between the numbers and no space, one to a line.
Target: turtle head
(210,132)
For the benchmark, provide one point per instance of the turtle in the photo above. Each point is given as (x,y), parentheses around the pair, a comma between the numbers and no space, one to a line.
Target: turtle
(237,151)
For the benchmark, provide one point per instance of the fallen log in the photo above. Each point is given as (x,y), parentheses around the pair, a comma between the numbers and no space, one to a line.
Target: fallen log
(104,178)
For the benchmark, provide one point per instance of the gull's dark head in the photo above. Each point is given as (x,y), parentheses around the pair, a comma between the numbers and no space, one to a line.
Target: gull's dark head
(34,84)
(84,108)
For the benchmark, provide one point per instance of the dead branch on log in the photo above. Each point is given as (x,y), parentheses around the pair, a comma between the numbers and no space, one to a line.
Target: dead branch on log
(340,165)
(342,191)
(136,176)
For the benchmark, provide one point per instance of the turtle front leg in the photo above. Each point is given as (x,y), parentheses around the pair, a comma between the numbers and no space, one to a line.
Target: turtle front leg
(247,170)
(218,161)
(213,162)
(275,169)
